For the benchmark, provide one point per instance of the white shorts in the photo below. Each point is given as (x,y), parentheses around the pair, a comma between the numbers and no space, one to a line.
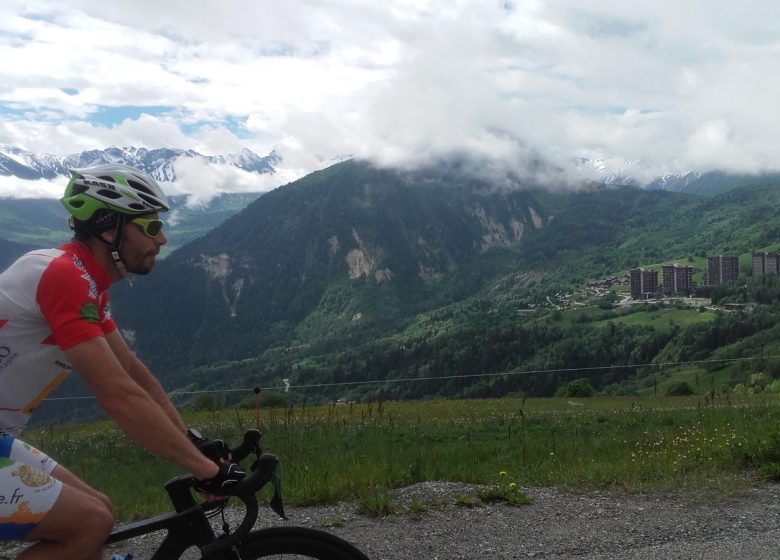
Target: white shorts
(27,491)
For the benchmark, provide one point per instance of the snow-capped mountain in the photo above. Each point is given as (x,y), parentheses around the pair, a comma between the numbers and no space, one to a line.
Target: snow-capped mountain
(159,163)
(638,174)
(628,172)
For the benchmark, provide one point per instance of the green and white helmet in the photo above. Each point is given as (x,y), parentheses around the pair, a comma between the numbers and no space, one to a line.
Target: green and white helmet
(114,187)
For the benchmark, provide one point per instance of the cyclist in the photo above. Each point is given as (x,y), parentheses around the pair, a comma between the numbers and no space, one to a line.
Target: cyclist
(54,317)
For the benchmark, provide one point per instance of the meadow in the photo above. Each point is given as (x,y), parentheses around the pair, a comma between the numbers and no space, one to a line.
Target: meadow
(360,451)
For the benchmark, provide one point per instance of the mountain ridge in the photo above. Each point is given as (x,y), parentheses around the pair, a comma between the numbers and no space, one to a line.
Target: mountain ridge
(159,162)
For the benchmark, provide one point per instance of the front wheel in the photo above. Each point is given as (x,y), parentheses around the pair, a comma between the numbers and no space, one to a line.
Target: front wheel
(296,542)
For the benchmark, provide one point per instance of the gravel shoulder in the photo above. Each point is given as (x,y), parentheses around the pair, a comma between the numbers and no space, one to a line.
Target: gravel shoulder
(558,525)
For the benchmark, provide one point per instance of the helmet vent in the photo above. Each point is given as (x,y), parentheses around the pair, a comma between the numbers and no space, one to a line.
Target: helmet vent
(139,186)
(149,199)
(109,194)
(108,178)
(136,206)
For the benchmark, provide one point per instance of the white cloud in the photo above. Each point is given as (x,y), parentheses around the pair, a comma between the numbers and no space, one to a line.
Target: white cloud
(673,85)
(16,188)
(203,180)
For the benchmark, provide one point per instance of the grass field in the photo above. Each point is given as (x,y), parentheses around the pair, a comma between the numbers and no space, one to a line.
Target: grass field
(359,451)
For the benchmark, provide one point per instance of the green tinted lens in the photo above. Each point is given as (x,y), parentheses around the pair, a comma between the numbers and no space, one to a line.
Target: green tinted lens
(150,227)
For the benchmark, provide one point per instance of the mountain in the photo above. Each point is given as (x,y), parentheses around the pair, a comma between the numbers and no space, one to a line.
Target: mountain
(351,244)
(348,261)
(159,163)
(636,173)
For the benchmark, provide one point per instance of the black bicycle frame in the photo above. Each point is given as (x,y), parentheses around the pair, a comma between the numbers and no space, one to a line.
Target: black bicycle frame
(186,527)
(189,525)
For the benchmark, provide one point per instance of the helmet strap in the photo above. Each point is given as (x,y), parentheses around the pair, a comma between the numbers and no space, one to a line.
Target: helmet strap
(120,265)
(118,262)
(115,246)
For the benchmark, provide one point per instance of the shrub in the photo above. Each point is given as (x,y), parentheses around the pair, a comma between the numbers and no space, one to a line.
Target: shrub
(679,389)
(579,388)
(205,402)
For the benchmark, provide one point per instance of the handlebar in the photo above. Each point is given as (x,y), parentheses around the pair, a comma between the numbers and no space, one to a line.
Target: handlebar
(217,449)
(263,471)
(250,444)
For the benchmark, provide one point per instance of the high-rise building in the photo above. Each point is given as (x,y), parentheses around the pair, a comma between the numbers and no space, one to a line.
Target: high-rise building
(678,279)
(644,283)
(722,269)
(766,263)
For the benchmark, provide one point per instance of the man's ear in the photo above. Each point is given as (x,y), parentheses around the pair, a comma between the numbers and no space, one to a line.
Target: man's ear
(109,236)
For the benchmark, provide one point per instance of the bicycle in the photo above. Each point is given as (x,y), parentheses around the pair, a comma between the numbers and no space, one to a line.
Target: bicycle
(189,524)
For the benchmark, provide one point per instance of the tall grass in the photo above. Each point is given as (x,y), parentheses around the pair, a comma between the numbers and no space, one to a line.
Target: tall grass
(359,451)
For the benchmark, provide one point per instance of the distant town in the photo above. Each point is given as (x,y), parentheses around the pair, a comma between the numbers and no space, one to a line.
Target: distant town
(677,280)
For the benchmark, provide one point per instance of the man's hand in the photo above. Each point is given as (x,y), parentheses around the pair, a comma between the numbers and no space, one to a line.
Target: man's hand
(229,475)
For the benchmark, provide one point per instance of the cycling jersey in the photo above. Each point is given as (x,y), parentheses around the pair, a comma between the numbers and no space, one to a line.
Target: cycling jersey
(50,301)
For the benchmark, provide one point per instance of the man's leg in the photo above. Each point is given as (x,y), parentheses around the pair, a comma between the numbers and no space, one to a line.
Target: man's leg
(75,528)
(43,501)
(70,479)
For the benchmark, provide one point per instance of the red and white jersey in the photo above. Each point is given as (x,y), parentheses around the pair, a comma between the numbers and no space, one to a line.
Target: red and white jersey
(50,301)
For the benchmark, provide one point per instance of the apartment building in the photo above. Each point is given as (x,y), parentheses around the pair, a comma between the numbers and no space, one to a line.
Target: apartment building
(644,283)
(678,279)
(722,269)
(766,263)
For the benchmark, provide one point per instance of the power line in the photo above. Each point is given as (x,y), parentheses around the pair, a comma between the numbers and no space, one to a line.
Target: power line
(286,388)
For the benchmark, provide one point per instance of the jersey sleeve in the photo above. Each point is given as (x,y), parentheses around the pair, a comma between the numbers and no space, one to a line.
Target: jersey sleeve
(71,304)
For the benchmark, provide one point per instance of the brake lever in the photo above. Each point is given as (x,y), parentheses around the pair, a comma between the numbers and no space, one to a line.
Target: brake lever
(276,501)
(250,444)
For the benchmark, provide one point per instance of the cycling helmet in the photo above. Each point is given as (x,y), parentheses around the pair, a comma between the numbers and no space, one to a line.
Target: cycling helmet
(113,187)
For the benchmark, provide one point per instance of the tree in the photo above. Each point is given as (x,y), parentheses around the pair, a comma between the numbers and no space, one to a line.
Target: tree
(679,389)
(579,388)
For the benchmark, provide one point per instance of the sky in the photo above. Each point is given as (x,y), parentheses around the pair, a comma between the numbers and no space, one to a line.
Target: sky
(661,86)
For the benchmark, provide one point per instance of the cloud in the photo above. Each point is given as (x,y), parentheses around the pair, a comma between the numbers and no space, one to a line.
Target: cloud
(14,187)
(673,86)
(203,180)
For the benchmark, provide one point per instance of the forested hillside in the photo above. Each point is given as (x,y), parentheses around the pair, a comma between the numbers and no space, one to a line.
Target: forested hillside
(355,274)
(356,282)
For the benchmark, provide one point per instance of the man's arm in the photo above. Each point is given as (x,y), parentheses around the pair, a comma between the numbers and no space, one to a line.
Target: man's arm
(141,375)
(134,410)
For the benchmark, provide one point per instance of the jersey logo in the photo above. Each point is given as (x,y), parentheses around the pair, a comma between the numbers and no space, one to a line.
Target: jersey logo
(93,291)
(89,312)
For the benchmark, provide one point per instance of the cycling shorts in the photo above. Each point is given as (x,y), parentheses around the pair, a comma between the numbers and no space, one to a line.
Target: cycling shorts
(27,491)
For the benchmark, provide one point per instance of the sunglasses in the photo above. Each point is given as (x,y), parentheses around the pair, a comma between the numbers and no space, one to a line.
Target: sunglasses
(149,226)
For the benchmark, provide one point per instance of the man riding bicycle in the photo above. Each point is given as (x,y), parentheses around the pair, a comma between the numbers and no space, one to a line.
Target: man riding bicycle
(54,318)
